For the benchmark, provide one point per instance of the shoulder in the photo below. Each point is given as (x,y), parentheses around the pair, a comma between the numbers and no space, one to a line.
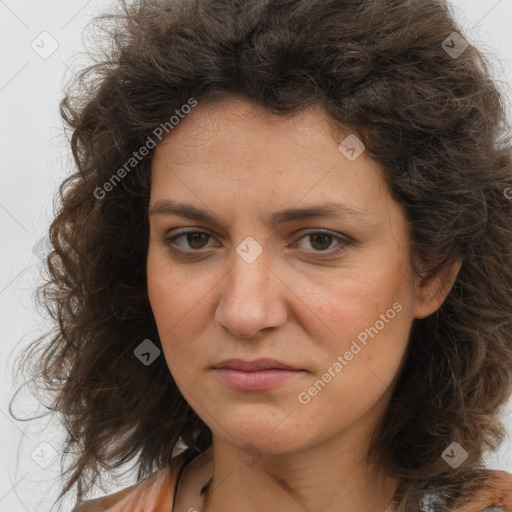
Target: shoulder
(501,483)
(495,495)
(107,502)
(152,493)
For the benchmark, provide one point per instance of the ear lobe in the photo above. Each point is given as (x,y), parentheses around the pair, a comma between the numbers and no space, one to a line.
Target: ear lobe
(431,293)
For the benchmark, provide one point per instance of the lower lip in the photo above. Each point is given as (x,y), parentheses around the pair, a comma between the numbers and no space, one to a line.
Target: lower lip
(261,380)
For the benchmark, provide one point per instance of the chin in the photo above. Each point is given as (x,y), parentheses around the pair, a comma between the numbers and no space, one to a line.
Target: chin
(262,431)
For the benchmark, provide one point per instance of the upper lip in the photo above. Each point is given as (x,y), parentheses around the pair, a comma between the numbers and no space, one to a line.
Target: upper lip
(254,366)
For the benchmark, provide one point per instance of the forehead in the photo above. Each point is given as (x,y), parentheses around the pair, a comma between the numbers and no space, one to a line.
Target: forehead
(236,131)
(247,125)
(232,152)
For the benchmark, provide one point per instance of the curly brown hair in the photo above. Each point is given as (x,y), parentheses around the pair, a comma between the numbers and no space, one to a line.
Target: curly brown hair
(436,123)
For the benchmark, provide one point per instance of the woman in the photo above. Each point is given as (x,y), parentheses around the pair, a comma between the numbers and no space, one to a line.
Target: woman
(286,252)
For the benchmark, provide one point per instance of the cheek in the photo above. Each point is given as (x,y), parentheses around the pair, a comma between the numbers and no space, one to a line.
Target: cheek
(354,376)
(173,293)
(364,317)
(177,300)
(350,303)
(177,347)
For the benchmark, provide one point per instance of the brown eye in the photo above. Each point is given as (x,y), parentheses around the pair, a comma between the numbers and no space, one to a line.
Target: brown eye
(194,240)
(321,241)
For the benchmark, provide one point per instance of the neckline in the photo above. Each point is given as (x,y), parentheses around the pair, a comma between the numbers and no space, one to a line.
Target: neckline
(186,462)
(192,457)
(206,486)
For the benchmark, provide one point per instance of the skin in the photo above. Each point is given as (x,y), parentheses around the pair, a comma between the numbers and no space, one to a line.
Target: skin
(295,303)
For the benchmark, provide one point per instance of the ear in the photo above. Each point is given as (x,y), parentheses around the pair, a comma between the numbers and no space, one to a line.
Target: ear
(431,293)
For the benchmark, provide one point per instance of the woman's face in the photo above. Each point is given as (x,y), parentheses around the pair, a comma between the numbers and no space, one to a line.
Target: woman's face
(295,252)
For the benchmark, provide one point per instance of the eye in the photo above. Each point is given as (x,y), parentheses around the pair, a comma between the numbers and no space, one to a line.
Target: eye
(194,239)
(322,240)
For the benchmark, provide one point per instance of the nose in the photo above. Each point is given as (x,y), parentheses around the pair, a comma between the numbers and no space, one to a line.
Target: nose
(252,299)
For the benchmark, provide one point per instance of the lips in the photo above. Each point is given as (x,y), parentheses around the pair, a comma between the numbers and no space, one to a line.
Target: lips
(254,366)
(259,375)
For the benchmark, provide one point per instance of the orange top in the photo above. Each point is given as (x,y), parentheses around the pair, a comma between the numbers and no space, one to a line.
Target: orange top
(153,494)
(156,494)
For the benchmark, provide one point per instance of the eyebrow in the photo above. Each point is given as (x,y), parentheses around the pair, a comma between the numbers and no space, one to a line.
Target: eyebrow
(329,210)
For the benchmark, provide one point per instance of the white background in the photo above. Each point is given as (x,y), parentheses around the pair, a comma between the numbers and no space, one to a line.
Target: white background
(34,160)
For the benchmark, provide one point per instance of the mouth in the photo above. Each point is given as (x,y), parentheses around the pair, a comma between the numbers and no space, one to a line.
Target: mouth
(254,366)
(259,375)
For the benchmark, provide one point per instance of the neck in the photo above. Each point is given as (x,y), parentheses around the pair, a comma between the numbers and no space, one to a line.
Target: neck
(307,481)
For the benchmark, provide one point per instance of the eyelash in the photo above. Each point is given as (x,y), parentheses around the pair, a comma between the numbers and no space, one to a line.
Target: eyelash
(345,242)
